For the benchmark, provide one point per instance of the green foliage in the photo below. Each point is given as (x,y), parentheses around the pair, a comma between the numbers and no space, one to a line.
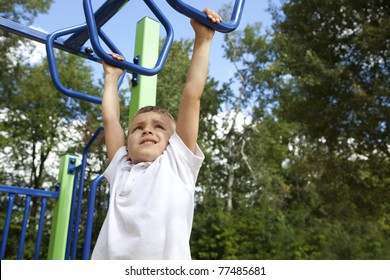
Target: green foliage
(335,53)
(23,10)
(310,173)
(172,77)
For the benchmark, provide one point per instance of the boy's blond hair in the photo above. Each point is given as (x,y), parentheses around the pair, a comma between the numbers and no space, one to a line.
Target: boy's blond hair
(157,110)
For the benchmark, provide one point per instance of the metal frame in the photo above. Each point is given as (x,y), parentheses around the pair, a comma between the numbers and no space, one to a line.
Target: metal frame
(28,193)
(92,30)
(40,37)
(130,66)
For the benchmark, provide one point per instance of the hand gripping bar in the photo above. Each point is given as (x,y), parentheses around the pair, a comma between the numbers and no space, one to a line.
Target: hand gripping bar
(79,30)
(53,65)
(198,15)
(129,66)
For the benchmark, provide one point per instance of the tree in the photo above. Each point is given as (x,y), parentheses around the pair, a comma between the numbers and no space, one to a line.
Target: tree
(246,192)
(336,54)
(21,12)
(332,82)
(297,192)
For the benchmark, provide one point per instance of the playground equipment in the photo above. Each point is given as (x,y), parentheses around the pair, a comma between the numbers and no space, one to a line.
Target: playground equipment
(146,64)
(194,13)
(92,27)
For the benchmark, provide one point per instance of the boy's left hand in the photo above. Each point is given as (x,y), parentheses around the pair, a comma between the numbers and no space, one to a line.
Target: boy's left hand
(112,70)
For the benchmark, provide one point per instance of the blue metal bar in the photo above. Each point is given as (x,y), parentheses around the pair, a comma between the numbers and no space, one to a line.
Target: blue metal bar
(53,65)
(198,15)
(81,189)
(74,41)
(70,243)
(102,15)
(38,36)
(27,191)
(56,42)
(24,227)
(13,191)
(108,42)
(40,228)
(129,66)
(6,225)
(169,36)
(113,48)
(90,212)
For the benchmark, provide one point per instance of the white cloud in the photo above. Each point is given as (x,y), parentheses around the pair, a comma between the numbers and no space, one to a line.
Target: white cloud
(32,53)
(225,121)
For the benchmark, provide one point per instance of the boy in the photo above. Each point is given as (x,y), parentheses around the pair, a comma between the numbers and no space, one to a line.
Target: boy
(152,180)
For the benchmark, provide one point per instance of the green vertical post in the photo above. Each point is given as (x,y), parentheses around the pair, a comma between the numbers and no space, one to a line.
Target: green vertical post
(147,42)
(61,216)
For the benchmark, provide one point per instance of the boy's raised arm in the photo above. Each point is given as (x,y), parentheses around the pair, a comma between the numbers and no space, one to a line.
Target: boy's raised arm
(188,119)
(113,132)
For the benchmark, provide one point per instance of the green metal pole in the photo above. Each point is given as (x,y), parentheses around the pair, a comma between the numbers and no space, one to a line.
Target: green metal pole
(147,48)
(61,216)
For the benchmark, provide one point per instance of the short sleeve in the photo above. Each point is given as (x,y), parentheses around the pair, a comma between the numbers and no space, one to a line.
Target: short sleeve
(184,162)
(120,158)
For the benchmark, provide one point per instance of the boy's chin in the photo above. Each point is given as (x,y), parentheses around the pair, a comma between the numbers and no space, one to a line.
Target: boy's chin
(150,158)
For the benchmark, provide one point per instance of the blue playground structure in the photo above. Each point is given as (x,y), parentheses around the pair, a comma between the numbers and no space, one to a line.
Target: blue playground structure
(66,218)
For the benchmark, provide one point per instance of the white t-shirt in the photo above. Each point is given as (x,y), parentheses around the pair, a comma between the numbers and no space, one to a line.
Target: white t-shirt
(151,206)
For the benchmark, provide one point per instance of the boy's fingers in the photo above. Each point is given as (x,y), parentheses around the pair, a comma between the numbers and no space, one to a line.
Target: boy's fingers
(116,56)
(213,16)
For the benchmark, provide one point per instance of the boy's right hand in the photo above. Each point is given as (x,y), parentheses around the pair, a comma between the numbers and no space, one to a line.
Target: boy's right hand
(110,70)
(203,31)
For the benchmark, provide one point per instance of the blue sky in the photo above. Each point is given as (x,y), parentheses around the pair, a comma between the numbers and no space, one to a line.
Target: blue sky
(121,28)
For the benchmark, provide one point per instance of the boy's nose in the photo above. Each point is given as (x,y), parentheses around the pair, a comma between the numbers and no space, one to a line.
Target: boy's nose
(147,131)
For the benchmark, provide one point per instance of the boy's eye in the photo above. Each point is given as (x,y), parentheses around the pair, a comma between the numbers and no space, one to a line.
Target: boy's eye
(137,128)
(159,126)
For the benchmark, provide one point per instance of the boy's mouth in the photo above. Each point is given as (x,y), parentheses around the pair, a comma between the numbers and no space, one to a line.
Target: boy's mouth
(148,142)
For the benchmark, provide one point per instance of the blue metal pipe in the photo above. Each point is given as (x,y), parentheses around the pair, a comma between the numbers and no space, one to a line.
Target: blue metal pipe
(6,225)
(40,37)
(40,228)
(113,48)
(129,66)
(200,16)
(71,229)
(90,212)
(53,65)
(27,206)
(76,223)
(106,11)
(12,192)
(27,191)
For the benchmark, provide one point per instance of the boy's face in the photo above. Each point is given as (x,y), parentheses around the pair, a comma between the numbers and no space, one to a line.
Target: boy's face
(148,137)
